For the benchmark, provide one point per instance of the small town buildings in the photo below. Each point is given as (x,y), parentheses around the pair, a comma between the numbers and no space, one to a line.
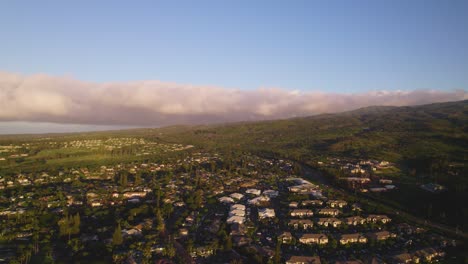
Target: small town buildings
(381,235)
(405,258)
(328,211)
(303,260)
(361,180)
(378,219)
(179,204)
(238,230)
(258,200)
(433,187)
(236,196)
(226,200)
(301,213)
(329,222)
(271,193)
(303,189)
(385,181)
(351,262)
(235,219)
(337,203)
(352,238)
(134,194)
(183,231)
(266,213)
(293,204)
(429,254)
(253,191)
(301,223)
(312,203)
(131,232)
(237,207)
(319,239)
(405,228)
(354,220)
(285,237)
(237,212)
(378,189)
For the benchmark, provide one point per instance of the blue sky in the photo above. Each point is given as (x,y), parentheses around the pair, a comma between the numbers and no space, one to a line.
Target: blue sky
(331,46)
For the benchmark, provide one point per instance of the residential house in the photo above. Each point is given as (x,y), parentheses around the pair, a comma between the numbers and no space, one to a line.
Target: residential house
(258,200)
(337,203)
(354,220)
(328,211)
(405,258)
(183,231)
(226,200)
(429,254)
(237,212)
(329,222)
(253,191)
(236,196)
(266,213)
(385,181)
(301,223)
(237,207)
(235,219)
(303,260)
(303,189)
(301,213)
(352,238)
(285,237)
(312,203)
(271,193)
(320,239)
(134,194)
(378,218)
(381,235)
(293,204)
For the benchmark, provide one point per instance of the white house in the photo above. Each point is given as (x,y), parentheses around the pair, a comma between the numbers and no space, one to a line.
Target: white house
(236,196)
(266,213)
(237,207)
(253,191)
(226,200)
(271,193)
(235,220)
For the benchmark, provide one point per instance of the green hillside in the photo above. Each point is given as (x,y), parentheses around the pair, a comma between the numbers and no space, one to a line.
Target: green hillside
(392,133)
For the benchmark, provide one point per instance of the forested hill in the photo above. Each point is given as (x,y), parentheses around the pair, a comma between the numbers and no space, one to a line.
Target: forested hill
(390,133)
(397,134)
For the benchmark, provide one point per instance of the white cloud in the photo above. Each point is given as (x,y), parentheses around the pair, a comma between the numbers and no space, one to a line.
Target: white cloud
(44,98)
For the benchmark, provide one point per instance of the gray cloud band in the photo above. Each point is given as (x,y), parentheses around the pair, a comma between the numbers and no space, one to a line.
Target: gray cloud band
(44,98)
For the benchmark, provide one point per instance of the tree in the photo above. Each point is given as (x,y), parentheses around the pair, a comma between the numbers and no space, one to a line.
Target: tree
(137,179)
(159,220)
(170,250)
(190,246)
(76,224)
(147,253)
(228,245)
(123,179)
(213,166)
(69,225)
(117,238)
(277,258)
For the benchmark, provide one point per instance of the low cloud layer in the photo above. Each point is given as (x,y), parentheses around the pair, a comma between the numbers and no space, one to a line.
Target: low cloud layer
(44,98)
